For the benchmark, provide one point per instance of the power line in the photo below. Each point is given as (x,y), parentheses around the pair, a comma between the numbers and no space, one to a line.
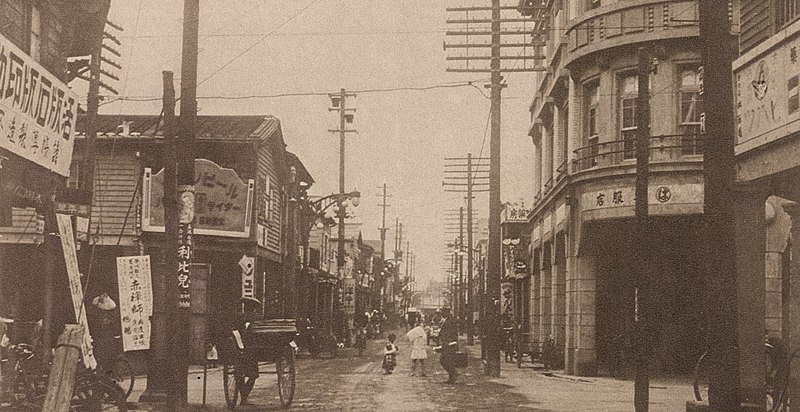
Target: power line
(468,83)
(264,37)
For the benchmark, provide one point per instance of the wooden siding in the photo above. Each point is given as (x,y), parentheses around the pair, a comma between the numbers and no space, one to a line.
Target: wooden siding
(757,21)
(268,173)
(25,227)
(116,196)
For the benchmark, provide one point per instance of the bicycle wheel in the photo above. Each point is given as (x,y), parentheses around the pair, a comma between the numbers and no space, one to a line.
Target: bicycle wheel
(700,379)
(286,374)
(122,374)
(94,393)
(230,384)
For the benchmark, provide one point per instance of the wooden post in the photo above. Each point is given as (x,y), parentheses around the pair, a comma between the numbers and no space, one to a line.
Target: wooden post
(62,372)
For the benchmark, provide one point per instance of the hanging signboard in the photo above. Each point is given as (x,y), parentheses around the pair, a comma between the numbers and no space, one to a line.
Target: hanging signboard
(135,301)
(248,277)
(349,295)
(222,202)
(37,111)
(75,289)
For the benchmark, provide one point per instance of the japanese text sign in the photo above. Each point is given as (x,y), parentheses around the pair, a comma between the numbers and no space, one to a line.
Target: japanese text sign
(75,289)
(37,111)
(248,277)
(135,301)
(349,295)
(222,202)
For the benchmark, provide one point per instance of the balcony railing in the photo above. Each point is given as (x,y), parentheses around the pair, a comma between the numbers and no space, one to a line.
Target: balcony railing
(662,148)
(561,171)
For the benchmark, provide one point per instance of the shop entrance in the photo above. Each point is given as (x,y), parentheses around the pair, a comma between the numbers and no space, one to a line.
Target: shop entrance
(675,267)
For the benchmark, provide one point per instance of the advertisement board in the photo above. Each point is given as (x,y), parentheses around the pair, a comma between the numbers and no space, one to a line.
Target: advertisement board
(222,201)
(135,301)
(37,111)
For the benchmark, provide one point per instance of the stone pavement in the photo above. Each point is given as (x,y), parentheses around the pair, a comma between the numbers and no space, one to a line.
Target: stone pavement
(349,382)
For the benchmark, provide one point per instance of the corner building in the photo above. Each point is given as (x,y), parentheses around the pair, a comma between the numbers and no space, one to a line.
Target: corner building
(583,129)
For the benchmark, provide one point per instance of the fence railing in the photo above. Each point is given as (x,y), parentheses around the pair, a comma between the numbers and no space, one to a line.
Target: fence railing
(662,148)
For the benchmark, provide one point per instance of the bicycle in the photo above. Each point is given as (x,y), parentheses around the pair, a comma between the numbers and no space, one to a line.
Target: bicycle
(778,371)
(92,391)
(120,369)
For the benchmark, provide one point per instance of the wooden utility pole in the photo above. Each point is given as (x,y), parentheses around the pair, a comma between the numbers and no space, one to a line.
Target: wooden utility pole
(643,287)
(179,306)
(459,180)
(383,229)
(469,34)
(720,296)
(339,102)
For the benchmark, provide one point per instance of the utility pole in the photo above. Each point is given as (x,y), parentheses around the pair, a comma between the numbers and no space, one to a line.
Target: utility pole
(464,294)
(339,102)
(383,229)
(159,378)
(179,306)
(643,288)
(469,34)
(454,178)
(720,292)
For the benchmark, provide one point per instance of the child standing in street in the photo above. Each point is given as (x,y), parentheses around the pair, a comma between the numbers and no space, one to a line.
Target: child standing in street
(389,355)
(419,351)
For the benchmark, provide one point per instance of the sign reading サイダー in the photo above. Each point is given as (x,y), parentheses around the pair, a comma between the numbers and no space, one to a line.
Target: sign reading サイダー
(222,201)
(37,111)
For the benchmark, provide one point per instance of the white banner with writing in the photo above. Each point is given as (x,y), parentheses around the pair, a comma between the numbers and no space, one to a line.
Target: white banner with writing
(135,301)
(75,289)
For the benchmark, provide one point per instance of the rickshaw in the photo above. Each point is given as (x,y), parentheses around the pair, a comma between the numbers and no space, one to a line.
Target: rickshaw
(270,341)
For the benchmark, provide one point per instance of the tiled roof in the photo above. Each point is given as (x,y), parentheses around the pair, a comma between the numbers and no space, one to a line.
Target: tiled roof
(208,127)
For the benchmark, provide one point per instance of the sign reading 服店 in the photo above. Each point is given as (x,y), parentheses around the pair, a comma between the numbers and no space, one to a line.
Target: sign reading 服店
(222,201)
(135,301)
(37,111)
(75,289)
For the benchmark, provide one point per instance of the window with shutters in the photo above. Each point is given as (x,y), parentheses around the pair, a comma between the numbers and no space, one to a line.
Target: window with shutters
(690,108)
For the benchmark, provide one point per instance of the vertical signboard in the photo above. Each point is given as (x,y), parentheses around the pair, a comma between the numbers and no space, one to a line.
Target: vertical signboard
(75,289)
(135,301)
(185,231)
(349,296)
(248,277)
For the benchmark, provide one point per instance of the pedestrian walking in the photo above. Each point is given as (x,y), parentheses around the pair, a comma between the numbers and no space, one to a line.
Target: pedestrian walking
(390,355)
(419,351)
(448,338)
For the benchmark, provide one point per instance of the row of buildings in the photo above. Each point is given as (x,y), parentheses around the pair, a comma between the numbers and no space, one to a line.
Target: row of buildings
(257,231)
(576,241)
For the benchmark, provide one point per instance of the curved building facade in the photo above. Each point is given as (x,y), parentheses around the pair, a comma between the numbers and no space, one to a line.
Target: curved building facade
(583,129)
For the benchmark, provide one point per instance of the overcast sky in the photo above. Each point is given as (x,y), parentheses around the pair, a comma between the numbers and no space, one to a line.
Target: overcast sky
(322,46)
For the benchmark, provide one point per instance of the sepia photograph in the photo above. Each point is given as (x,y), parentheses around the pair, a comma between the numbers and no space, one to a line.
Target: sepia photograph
(408,205)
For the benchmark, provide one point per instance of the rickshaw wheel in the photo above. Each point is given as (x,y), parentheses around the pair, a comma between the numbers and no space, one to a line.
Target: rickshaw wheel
(286,373)
(229,382)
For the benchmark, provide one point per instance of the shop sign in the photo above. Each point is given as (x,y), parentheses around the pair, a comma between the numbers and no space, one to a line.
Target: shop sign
(657,195)
(768,96)
(222,201)
(135,301)
(248,276)
(76,291)
(349,295)
(516,213)
(37,111)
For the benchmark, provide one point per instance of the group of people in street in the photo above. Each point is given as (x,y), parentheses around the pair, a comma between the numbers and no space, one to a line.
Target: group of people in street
(418,339)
